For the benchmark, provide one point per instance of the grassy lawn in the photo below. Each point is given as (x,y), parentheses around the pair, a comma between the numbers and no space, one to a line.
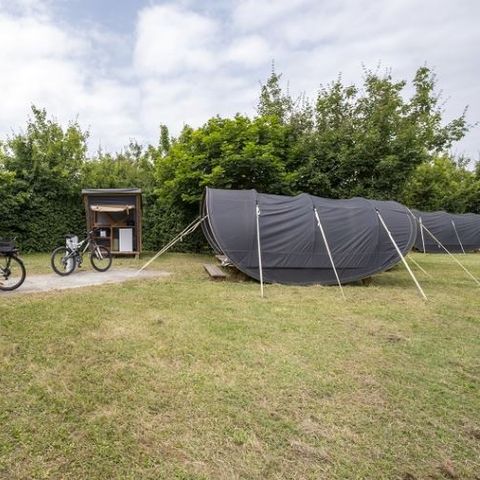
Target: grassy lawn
(185,378)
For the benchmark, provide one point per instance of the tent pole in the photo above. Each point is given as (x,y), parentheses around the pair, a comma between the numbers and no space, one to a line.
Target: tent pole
(421,232)
(186,231)
(461,265)
(257,214)
(401,256)
(329,253)
(458,237)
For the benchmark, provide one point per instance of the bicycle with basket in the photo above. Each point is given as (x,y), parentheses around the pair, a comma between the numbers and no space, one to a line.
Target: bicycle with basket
(66,258)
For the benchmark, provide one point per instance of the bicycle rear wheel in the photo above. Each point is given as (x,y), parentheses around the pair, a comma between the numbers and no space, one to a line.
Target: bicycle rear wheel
(63,261)
(12,273)
(101,258)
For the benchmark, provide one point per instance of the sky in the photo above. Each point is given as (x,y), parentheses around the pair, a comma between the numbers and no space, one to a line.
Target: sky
(122,68)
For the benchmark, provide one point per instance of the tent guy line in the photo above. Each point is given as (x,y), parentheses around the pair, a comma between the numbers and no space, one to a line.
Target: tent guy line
(190,228)
(407,266)
(454,258)
(257,215)
(458,237)
(319,223)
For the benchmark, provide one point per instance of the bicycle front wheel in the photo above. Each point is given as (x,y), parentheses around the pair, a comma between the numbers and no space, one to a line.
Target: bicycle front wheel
(63,261)
(12,273)
(101,258)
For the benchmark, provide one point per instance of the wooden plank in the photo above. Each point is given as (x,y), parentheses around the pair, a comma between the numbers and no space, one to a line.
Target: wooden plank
(214,271)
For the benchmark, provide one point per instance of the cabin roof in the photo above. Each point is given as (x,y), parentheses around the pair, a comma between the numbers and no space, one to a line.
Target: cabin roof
(111,191)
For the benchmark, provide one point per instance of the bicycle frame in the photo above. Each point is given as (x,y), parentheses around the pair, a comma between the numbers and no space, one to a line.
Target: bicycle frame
(5,270)
(89,244)
(11,264)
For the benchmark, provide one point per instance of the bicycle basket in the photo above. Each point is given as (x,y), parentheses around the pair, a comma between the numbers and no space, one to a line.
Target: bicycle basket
(7,246)
(71,241)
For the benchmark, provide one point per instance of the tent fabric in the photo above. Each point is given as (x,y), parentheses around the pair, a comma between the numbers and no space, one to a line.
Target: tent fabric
(467,227)
(112,208)
(293,251)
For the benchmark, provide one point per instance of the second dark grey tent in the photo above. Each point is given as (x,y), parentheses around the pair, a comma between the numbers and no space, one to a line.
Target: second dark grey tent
(456,232)
(293,250)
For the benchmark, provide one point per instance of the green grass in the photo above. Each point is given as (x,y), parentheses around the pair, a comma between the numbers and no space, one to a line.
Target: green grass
(186,378)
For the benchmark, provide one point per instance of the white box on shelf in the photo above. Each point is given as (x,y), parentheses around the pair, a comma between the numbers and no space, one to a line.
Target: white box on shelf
(125,236)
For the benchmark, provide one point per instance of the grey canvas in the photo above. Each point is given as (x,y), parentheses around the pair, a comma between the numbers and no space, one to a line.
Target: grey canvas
(443,226)
(293,251)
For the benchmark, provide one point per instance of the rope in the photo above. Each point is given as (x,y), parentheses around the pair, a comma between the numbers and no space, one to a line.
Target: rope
(407,266)
(329,253)
(464,268)
(421,232)
(257,214)
(186,231)
(420,268)
(458,237)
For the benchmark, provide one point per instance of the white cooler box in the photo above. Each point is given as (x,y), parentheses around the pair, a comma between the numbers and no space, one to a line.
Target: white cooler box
(125,239)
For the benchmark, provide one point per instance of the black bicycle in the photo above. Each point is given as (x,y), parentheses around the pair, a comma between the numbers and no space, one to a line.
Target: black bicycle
(66,259)
(12,269)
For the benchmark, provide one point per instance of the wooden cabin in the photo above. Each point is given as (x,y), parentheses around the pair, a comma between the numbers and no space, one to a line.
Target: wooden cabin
(116,213)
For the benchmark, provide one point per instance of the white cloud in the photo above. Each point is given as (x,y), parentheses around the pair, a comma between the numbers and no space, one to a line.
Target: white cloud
(26,39)
(251,14)
(53,67)
(173,40)
(314,41)
(186,62)
(249,51)
(189,67)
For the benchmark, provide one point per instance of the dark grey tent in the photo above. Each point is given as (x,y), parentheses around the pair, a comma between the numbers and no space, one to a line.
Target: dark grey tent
(292,247)
(456,232)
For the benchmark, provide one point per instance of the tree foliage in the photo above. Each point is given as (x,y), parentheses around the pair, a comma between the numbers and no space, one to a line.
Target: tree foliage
(134,166)
(383,139)
(350,142)
(368,141)
(42,168)
(443,184)
(233,153)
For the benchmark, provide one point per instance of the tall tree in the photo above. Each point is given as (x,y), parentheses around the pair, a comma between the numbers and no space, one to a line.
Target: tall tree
(228,153)
(443,184)
(272,101)
(368,141)
(43,169)
(131,167)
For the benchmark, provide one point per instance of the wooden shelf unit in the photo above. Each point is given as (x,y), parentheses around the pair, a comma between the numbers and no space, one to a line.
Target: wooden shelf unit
(104,212)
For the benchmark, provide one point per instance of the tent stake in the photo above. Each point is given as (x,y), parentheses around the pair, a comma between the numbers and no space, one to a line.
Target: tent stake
(458,237)
(329,253)
(257,214)
(461,265)
(401,256)
(186,231)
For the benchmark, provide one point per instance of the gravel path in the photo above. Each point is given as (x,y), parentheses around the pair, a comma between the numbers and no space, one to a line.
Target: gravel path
(79,278)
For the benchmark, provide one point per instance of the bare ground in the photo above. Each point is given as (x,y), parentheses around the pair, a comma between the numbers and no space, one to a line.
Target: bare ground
(81,278)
